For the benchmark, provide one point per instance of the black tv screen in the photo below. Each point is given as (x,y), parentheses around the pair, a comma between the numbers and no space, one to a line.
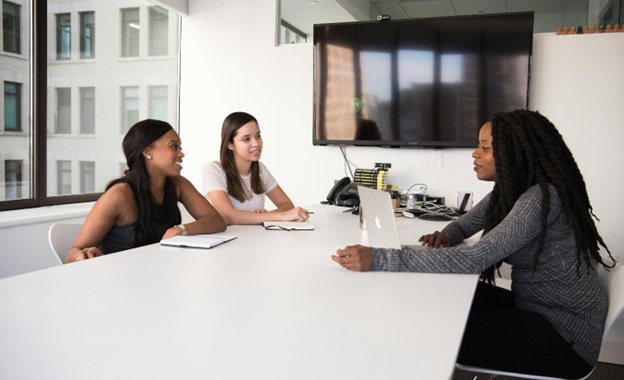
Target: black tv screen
(418,82)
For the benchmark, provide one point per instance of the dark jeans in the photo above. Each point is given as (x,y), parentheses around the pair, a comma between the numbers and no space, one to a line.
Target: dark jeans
(501,337)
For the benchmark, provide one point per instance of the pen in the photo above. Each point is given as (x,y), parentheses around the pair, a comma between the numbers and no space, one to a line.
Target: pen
(309,212)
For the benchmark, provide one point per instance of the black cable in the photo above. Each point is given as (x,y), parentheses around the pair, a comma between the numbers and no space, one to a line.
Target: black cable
(343,151)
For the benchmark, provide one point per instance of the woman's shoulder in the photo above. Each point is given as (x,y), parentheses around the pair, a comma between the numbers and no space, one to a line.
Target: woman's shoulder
(263,168)
(118,197)
(121,189)
(536,191)
(213,167)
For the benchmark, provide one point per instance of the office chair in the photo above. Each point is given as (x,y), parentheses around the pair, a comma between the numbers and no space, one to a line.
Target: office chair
(613,284)
(61,237)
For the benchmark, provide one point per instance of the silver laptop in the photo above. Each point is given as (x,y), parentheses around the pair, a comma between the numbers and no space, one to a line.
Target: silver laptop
(380,220)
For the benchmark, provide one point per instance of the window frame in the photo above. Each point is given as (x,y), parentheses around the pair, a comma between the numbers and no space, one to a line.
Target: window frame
(60,166)
(124,33)
(83,35)
(20,176)
(17,31)
(154,46)
(18,106)
(124,124)
(87,172)
(87,95)
(57,120)
(59,39)
(37,174)
(38,86)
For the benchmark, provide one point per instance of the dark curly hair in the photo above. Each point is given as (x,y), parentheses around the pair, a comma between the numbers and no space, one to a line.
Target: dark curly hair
(528,150)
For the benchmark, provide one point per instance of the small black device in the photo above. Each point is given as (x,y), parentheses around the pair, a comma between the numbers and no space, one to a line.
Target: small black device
(383,17)
(462,207)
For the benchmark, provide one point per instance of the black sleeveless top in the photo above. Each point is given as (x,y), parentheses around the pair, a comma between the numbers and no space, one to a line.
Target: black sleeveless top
(121,237)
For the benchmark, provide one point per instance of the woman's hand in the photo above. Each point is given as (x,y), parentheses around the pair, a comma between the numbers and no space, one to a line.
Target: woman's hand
(173,231)
(355,257)
(88,253)
(435,240)
(296,214)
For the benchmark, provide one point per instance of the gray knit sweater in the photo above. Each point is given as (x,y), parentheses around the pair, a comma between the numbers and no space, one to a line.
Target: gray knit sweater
(573,302)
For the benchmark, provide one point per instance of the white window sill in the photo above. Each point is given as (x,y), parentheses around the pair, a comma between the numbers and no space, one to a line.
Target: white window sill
(17,218)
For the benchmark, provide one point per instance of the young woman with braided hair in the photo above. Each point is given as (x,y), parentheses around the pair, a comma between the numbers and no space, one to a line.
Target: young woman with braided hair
(538,218)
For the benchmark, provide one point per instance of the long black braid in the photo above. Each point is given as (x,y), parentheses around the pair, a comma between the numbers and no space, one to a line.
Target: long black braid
(528,150)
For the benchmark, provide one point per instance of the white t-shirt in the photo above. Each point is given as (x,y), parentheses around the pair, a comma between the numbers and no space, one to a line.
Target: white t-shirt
(214,179)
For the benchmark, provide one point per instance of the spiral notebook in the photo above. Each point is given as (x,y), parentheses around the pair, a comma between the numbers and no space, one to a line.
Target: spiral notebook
(197,241)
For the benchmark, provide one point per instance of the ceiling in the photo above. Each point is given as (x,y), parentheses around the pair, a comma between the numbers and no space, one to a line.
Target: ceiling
(549,14)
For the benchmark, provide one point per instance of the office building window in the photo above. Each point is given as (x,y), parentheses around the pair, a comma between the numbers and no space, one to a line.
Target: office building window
(66,124)
(87,110)
(13,179)
(159,31)
(129,107)
(11,27)
(87,35)
(63,36)
(63,177)
(12,107)
(63,108)
(158,102)
(87,177)
(130,28)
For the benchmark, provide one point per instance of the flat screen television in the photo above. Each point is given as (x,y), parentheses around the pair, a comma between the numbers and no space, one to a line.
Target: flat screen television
(425,83)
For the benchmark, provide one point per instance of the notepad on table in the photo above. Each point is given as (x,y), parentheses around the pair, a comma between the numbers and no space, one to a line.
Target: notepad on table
(197,241)
(288,226)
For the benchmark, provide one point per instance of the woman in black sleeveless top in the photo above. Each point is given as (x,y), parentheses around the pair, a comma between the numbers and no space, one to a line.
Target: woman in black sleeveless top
(142,207)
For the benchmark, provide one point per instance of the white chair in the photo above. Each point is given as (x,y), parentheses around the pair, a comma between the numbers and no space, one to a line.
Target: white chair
(613,284)
(61,237)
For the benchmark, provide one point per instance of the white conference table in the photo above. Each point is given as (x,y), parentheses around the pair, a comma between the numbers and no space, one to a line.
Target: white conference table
(267,305)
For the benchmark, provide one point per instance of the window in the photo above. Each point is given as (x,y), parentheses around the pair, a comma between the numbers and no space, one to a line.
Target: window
(63,107)
(129,107)
(12,107)
(87,110)
(63,36)
(67,151)
(130,28)
(159,31)
(87,35)
(13,179)
(291,35)
(11,27)
(87,177)
(63,177)
(158,102)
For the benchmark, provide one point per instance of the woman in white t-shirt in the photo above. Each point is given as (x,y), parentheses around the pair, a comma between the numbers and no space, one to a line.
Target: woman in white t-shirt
(237,185)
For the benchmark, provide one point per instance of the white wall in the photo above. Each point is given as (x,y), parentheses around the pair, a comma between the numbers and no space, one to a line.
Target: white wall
(230,63)
(24,247)
(233,65)
(577,85)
